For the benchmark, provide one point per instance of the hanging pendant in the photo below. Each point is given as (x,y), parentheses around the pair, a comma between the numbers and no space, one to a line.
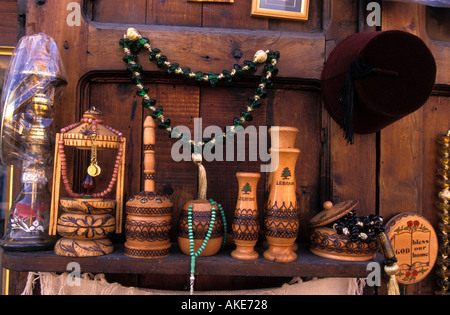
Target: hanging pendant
(94,170)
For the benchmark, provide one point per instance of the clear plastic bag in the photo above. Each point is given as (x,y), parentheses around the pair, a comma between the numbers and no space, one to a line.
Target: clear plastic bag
(32,83)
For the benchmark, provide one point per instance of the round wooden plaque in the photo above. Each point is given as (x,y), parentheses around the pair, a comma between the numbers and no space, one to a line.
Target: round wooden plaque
(415,244)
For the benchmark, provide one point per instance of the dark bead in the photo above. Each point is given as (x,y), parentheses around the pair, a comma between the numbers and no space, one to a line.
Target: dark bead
(199,76)
(237,122)
(129,58)
(252,103)
(186,73)
(271,68)
(137,79)
(165,124)
(266,82)
(227,76)
(142,92)
(238,69)
(273,55)
(149,103)
(125,43)
(173,67)
(142,41)
(213,78)
(261,92)
(157,113)
(251,65)
(88,185)
(246,115)
(154,52)
(135,68)
(161,62)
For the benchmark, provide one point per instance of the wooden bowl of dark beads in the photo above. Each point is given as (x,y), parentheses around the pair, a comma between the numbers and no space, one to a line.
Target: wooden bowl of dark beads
(325,241)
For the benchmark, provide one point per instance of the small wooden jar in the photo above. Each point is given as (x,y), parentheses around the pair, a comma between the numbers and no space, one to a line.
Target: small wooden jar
(324,241)
(148,225)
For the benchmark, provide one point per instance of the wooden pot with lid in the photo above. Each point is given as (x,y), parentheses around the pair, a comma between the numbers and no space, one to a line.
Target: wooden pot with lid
(325,241)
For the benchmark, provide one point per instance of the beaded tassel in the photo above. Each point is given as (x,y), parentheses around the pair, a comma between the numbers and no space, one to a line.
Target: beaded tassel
(444,206)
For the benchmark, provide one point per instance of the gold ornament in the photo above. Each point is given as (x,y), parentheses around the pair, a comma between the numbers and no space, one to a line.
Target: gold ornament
(260,56)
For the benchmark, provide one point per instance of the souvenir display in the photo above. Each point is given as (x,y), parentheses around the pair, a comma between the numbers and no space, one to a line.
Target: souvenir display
(149,214)
(443,260)
(200,227)
(416,246)
(339,234)
(246,224)
(89,217)
(368,84)
(281,223)
(33,82)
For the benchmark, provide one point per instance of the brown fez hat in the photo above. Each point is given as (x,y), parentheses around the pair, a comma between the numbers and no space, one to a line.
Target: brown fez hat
(373,79)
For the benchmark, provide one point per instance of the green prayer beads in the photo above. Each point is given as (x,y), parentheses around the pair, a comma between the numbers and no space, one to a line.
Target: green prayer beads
(134,44)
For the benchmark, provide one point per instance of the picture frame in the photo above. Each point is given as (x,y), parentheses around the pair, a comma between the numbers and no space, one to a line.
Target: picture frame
(282,9)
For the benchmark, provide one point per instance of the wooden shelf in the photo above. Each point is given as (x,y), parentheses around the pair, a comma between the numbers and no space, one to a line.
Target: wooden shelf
(222,264)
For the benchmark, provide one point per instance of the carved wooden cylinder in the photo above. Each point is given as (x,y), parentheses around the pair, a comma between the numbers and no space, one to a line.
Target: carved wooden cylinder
(149,214)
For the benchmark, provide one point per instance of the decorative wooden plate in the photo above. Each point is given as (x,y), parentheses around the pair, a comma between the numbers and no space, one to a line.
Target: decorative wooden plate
(415,244)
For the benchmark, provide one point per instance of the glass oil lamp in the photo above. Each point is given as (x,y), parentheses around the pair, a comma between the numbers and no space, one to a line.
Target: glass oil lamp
(33,82)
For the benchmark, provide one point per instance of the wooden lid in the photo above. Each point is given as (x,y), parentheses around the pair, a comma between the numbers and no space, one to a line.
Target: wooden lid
(415,245)
(333,212)
(149,203)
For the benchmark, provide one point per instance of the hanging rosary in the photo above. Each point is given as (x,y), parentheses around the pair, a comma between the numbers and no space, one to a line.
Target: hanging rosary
(443,260)
(371,229)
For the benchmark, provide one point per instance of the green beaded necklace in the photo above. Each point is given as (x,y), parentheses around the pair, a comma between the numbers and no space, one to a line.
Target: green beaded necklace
(133,43)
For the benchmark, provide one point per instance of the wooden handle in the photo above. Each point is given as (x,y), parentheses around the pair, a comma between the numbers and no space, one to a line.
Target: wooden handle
(149,154)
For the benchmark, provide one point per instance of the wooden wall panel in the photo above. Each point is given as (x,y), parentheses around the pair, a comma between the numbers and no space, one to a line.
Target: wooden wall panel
(8,22)
(408,150)
(118,11)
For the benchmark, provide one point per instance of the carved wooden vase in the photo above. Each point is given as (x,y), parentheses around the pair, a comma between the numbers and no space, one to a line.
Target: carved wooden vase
(201,219)
(246,219)
(281,209)
(149,214)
